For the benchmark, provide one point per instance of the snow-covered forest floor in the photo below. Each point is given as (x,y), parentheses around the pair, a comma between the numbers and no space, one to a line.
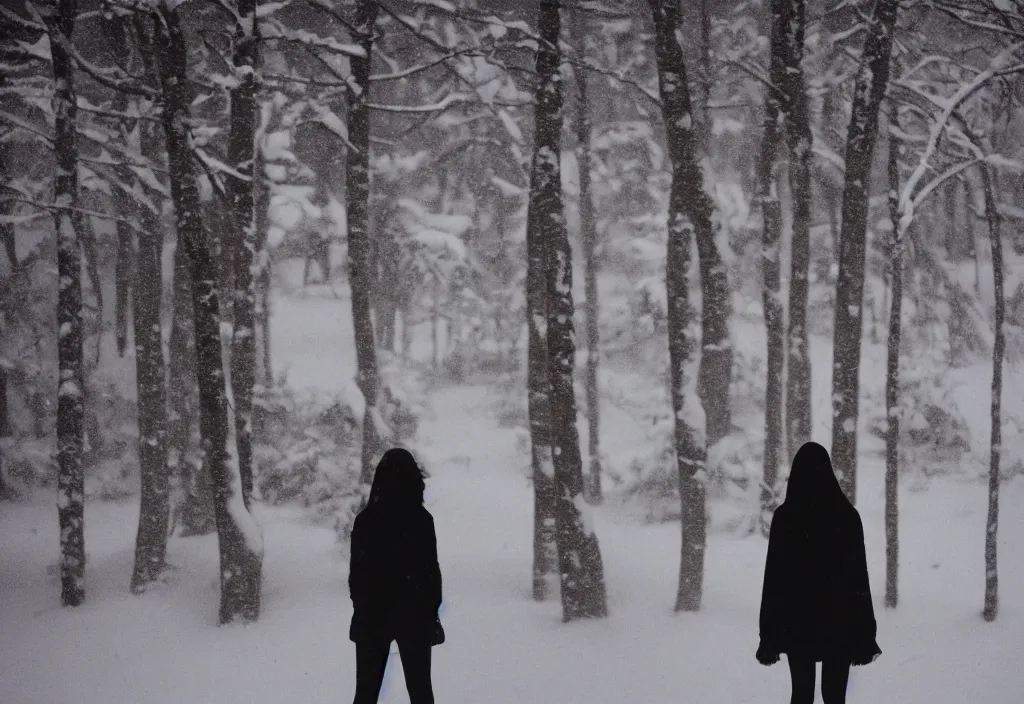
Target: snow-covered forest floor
(163,646)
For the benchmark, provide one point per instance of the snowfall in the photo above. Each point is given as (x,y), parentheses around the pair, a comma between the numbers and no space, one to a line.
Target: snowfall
(164,646)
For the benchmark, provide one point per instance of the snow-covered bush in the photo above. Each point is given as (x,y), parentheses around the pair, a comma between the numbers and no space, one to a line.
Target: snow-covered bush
(307,448)
(309,444)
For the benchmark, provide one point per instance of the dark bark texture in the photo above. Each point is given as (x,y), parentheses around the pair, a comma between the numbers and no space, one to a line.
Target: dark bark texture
(771,296)
(242,235)
(792,23)
(194,511)
(60,22)
(360,264)
(262,273)
(689,212)
(892,375)
(538,399)
(122,284)
(240,560)
(994,219)
(151,543)
(579,555)
(869,90)
(150,368)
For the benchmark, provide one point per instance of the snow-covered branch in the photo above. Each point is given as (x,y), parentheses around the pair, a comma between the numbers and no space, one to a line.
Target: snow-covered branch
(274,30)
(441,105)
(909,196)
(17,123)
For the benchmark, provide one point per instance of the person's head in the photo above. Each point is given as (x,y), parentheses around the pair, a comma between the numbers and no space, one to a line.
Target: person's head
(812,484)
(397,479)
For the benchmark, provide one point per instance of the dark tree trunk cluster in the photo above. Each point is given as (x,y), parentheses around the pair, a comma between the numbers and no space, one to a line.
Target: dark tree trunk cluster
(240,544)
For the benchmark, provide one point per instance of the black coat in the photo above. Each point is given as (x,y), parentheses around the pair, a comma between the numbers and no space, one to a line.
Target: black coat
(394,577)
(816,600)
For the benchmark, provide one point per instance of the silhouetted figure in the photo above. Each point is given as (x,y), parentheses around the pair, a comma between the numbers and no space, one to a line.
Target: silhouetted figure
(395,581)
(816,601)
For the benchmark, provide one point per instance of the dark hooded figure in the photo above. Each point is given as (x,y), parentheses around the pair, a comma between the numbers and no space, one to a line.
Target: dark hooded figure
(816,601)
(395,581)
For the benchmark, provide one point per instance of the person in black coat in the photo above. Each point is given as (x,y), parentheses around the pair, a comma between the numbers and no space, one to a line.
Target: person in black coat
(395,581)
(816,601)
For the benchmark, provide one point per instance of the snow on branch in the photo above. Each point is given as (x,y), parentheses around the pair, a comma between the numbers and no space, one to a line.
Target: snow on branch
(17,123)
(441,105)
(413,70)
(275,30)
(332,123)
(911,195)
(52,207)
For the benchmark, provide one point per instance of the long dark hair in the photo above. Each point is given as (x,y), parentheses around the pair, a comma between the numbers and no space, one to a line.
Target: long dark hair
(813,490)
(398,480)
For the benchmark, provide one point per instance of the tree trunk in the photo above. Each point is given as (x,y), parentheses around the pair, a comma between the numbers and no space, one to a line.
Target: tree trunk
(998,350)
(195,510)
(579,556)
(771,297)
(799,141)
(6,492)
(892,376)
(60,22)
(122,286)
(871,82)
(7,238)
(154,510)
(150,369)
(360,274)
(690,211)
(241,545)
(715,371)
(538,399)
(242,235)
(588,242)
(263,270)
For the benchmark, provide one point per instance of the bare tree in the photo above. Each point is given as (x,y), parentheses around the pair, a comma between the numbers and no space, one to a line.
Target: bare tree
(994,219)
(579,555)
(771,236)
(871,82)
(241,545)
(690,210)
(60,24)
(242,238)
(150,370)
(360,264)
(892,433)
(793,22)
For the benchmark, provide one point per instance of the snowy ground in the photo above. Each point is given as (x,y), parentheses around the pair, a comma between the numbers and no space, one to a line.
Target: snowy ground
(502,647)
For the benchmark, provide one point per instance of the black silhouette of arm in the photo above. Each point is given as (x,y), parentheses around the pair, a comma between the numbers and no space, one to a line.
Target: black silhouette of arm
(433,567)
(357,572)
(774,586)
